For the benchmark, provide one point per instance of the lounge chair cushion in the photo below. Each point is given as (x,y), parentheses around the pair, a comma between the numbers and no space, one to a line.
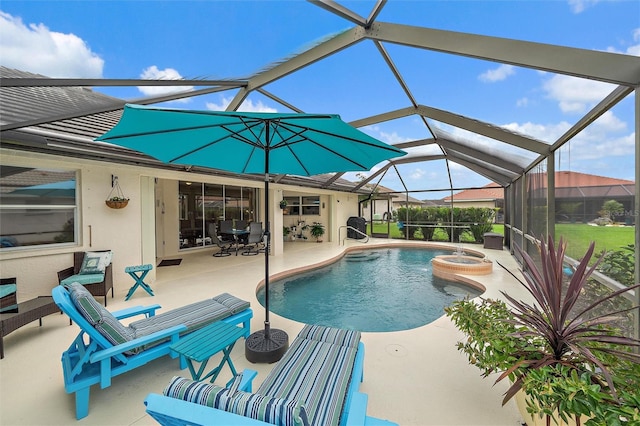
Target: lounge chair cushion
(193,316)
(95,262)
(313,354)
(276,411)
(98,316)
(336,336)
(83,279)
(198,392)
(236,305)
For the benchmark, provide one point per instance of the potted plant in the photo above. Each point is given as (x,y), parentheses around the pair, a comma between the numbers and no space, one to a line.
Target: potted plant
(569,361)
(285,232)
(317,231)
(283,204)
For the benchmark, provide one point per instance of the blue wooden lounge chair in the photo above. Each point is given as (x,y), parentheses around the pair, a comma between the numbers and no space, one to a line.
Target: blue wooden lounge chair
(316,382)
(105,348)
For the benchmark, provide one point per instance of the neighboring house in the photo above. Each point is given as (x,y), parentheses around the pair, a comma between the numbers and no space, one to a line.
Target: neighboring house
(490,195)
(385,200)
(579,196)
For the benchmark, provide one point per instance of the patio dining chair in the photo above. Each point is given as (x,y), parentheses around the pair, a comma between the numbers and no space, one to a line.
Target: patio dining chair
(225,230)
(255,240)
(224,246)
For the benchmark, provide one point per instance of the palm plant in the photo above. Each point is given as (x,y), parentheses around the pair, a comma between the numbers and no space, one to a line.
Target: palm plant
(571,339)
(563,357)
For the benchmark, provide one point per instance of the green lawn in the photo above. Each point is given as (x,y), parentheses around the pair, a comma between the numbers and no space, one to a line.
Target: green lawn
(577,235)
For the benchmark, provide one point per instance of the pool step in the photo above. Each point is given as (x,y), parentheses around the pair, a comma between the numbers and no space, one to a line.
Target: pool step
(362,256)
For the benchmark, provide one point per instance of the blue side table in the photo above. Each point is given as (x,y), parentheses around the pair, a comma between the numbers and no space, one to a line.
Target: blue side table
(138,273)
(202,344)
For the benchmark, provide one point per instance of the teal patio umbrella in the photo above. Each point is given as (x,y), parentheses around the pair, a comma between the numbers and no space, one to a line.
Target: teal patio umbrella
(251,143)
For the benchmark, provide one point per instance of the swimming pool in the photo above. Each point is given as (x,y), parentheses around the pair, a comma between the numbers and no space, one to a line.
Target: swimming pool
(389,289)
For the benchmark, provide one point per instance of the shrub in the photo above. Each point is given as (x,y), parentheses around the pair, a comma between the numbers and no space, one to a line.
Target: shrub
(565,356)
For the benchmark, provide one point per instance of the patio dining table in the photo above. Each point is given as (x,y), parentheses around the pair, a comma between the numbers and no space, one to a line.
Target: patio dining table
(236,233)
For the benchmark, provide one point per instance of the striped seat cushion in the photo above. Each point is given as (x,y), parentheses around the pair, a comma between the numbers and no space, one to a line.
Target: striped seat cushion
(98,316)
(193,316)
(233,303)
(316,373)
(336,336)
(83,279)
(276,411)
(198,392)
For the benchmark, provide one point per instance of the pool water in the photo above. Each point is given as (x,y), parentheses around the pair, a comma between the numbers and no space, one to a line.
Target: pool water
(372,290)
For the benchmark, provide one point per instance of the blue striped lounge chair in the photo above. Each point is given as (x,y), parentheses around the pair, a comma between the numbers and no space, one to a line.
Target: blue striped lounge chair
(315,383)
(105,348)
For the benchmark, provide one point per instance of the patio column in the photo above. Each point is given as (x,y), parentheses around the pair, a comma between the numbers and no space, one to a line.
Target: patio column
(636,213)
(275,217)
(551,195)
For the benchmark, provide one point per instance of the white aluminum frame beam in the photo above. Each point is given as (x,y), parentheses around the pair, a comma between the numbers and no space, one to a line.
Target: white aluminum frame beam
(602,66)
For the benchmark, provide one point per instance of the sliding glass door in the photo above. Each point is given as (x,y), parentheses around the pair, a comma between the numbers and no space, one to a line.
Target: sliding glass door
(203,205)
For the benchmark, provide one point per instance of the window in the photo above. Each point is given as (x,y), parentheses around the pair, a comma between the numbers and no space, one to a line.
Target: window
(305,205)
(37,207)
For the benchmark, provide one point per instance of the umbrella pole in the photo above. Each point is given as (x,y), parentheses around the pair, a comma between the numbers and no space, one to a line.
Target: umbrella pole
(266,346)
(267,325)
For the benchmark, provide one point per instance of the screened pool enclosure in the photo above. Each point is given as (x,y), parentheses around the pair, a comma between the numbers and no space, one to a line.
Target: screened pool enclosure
(463,145)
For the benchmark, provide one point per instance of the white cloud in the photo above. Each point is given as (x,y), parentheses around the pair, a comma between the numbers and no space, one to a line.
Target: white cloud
(633,49)
(576,95)
(224,103)
(246,106)
(579,6)
(497,74)
(604,138)
(610,123)
(249,106)
(417,174)
(522,102)
(391,138)
(153,73)
(545,132)
(36,49)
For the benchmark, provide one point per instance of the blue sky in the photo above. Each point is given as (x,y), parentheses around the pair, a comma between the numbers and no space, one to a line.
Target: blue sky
(234,39)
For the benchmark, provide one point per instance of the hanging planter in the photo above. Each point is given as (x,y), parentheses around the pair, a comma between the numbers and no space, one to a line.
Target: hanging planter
(116,198)
(117,204)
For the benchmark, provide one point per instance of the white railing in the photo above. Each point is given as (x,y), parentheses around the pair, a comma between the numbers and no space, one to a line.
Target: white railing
(366,237)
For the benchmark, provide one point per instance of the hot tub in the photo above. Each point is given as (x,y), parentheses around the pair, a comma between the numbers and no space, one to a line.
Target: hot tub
(460,264)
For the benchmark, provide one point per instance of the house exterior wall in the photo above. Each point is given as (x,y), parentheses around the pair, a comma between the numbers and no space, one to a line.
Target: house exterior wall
(479,204)
(99,227)
(148,225)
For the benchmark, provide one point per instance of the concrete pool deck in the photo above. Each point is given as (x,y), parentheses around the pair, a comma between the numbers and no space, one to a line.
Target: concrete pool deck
(412,377)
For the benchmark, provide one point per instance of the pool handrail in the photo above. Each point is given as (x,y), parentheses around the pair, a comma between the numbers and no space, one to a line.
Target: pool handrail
(353,229)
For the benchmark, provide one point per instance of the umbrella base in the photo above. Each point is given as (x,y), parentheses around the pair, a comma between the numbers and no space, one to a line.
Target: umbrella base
(259,348)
